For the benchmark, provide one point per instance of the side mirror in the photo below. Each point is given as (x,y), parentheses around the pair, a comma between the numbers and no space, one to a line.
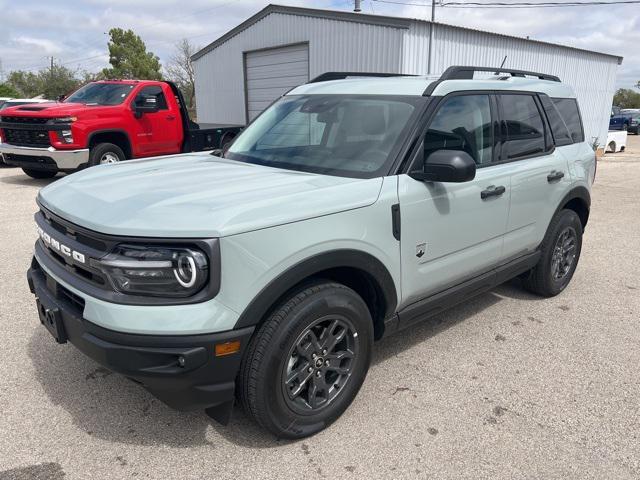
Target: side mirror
(61,97)
(144,104)
(447,166)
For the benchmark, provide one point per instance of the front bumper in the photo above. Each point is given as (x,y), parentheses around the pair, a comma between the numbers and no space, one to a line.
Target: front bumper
(182,371)
(44,158)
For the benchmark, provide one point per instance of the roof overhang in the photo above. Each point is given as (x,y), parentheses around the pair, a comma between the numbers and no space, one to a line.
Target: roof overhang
(381,20)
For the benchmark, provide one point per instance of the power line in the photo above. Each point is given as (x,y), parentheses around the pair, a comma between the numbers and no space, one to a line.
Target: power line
(515,4)
(536,4)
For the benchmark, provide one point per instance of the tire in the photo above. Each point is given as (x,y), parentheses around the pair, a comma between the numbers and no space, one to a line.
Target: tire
(283,345)
(550,276)
(102,153)
(39,173)
(612,147)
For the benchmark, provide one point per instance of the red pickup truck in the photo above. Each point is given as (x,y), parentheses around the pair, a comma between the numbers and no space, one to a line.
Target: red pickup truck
(103,122)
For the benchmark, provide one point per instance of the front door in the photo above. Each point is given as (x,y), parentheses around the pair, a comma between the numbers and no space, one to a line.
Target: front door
(157,133)
(451,232)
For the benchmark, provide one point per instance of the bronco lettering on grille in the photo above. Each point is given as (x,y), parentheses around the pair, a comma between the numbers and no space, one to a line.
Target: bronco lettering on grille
(60,248)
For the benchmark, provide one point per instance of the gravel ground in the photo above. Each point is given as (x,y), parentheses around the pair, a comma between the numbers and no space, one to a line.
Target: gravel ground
(506,386)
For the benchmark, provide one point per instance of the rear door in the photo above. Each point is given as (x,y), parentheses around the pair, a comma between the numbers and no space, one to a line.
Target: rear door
(539,171)
(452,232)
(158,133)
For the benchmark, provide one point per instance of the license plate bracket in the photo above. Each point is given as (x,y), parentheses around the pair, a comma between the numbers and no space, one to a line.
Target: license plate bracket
(51,318)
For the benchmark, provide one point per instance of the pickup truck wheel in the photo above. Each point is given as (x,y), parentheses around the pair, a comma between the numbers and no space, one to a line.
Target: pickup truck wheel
(561,249)
(104,153)
(40,173)
(306,363)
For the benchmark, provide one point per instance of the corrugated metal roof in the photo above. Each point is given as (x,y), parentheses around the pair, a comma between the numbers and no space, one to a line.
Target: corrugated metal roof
(382,20)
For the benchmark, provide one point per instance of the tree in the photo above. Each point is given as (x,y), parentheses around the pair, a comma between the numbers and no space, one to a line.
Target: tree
(48,82)
(8,91)
(180,70)
(626,98)
(129,58)
(58,81)
(25,83)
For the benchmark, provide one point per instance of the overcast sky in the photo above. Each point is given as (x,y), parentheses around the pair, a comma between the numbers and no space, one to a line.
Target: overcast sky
(74,31)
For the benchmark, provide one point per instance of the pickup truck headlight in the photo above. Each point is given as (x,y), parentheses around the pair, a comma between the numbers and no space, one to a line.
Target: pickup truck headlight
(62,120)
(156,271)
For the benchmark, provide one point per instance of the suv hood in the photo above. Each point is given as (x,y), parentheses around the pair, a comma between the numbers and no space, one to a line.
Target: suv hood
(198,195)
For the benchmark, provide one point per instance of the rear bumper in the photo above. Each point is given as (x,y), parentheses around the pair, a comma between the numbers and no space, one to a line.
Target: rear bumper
(44,158)
(182,371)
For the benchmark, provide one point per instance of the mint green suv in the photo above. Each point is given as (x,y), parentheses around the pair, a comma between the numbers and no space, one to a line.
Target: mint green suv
(353,207)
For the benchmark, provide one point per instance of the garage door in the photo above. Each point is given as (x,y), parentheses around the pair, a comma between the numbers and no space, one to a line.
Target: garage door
(270,73)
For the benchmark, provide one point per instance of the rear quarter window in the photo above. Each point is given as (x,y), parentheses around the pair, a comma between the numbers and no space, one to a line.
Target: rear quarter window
(559,129)
(568,109)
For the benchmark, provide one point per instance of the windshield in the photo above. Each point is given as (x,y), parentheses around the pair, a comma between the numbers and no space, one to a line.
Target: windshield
(100,94)
(353,136)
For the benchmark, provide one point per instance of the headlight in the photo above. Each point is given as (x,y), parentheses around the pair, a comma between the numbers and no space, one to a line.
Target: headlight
(57,121)
(156,271)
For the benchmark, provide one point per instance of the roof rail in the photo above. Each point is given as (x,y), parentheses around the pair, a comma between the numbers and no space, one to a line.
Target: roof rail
(327,76)
(466,73)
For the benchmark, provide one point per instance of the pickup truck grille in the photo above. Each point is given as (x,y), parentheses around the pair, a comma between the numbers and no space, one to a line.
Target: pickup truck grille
(26,138)
(25,120)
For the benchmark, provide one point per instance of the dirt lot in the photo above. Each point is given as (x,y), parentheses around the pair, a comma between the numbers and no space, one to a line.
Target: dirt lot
(507,386)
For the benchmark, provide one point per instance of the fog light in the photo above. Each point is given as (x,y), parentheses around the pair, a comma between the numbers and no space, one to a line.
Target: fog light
(227,348)
(65,136)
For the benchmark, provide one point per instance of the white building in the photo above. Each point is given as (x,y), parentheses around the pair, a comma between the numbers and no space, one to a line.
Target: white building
(242,72)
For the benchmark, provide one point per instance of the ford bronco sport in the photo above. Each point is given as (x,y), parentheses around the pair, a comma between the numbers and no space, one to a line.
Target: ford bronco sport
(348,210)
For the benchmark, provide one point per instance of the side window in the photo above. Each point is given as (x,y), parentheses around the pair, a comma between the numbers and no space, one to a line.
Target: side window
(156,91)
(559,129)
(568,108)
(524,126)
(463,123)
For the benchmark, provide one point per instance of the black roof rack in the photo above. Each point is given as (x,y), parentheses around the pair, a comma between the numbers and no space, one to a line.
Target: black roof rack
(327,76)
(458,72)
(466,73)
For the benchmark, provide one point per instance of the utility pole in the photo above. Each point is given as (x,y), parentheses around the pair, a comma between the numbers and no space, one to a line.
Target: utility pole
(433,19)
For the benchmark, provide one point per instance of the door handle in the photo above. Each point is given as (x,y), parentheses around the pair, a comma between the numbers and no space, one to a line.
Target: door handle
(492,191)
(171,117)
(555,175)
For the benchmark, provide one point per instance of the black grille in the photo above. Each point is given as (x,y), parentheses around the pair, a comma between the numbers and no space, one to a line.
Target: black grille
(26,138)
(91,247)
(79,236)
(28,160)
(25,120)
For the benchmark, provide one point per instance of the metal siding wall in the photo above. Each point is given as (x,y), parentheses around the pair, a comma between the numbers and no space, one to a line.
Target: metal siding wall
(334,45)
(591,75)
